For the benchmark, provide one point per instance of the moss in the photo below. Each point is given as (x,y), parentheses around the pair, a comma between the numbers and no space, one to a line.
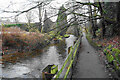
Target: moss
(66,35)
(91,42)
(99,45)
(59,37)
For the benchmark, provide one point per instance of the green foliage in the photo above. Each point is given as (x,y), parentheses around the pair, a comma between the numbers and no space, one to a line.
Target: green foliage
(116,65)
(98,32)
(110,58)
(61,21)
(107,48)
(117,53)
(51,34)
(66,35)
(113,54)
(59,37)
(104,11)
(90,41)
(117,58)
(105,51)
(110,46)
(11,25)
(97,5)
(28,27)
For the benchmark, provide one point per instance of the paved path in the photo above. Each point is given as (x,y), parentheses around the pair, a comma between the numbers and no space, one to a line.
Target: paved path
(88,65)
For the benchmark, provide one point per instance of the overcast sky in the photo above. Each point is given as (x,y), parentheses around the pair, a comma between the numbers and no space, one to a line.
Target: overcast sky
(16,5)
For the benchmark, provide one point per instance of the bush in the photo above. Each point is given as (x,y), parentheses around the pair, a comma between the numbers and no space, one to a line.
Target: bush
(113,55)
(15,37)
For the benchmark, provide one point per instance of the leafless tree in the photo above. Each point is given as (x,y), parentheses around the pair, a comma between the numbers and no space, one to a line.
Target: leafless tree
(29,17)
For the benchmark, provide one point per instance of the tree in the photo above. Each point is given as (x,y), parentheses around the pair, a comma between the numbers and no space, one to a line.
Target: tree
(29,17)
(118,17)
(16,20)
(62,20)
(110,17)
(92,22)
(47,23)
(40,17)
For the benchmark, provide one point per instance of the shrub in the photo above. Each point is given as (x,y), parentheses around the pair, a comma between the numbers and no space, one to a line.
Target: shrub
(15,37)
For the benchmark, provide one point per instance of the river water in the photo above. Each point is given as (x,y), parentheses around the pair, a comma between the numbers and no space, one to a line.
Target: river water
(32,67)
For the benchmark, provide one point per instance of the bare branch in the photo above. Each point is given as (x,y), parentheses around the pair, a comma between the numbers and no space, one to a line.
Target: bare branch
(29,9)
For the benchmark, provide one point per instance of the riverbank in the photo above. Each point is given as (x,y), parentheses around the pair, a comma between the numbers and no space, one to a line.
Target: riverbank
(32,65)
(16,42)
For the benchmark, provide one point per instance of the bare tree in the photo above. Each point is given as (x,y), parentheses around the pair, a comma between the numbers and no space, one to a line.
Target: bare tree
(16,20)
(29,17)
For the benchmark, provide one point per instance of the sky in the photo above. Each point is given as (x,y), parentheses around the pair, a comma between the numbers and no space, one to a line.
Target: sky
(26,4)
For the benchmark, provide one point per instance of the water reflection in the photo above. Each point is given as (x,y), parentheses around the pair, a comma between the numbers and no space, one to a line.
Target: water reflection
(61,48)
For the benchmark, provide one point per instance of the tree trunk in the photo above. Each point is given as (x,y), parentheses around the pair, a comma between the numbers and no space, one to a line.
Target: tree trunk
(95,21)
(103,20)
(118,17)
(92,22)
(40,19)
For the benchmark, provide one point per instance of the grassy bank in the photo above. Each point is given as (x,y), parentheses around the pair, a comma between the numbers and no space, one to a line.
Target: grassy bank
(90,40)
(110,50)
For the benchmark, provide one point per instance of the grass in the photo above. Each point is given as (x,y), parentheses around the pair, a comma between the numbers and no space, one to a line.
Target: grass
(91,41)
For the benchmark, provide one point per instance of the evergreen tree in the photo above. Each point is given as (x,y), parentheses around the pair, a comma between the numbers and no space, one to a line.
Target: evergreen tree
(62,21)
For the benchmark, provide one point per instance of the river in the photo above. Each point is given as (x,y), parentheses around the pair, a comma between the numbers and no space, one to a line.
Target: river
(32,67)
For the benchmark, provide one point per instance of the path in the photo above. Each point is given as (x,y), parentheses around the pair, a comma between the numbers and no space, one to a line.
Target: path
(88,65)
